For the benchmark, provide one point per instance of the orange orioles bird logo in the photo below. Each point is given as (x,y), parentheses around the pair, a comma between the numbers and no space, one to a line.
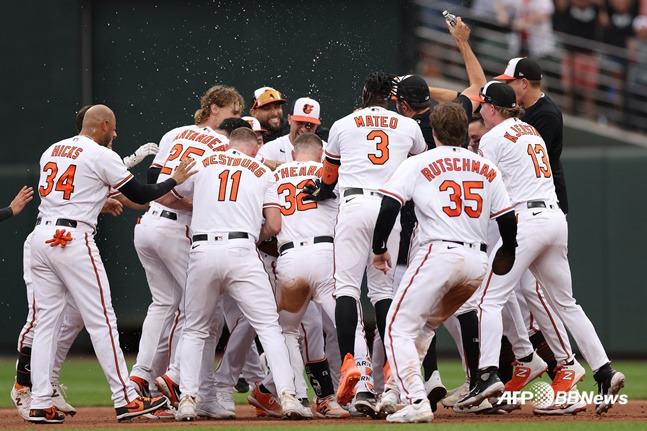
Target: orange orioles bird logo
(308,108)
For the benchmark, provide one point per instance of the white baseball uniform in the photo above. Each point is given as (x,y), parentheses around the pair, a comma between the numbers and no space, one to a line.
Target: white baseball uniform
(456,192)
(162,243)
(75,176)
(370,143)
(542,235)
(229,194)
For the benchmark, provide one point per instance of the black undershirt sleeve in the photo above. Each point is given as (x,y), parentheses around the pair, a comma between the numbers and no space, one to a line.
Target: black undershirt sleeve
(508,229)
(152,174)
(5,213)
(389,210)
(144,193)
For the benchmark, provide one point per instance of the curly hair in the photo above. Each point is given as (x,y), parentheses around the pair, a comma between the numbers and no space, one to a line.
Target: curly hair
(378,87)
(222,96)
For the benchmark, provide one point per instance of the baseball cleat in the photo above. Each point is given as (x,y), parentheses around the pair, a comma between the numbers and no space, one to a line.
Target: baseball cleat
(213,409)
(186,410)
(141,386)
(487,385)
(22,399)
(348,378)
(567,376)
(562,409)
(241,386)
(328,408)
(169,388)
(526,372)
(140,406)
(46,416)
(481,408)
(260,413)
(456,394)
(293,409)
(58,400)
(366,402)
(435,390)
(388,403)
(413,413)
(226,399)
(610,382)
(265,402)
(164,413)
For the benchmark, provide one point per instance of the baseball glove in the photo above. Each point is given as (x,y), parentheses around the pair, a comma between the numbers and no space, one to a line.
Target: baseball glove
(294,294)
(503,261)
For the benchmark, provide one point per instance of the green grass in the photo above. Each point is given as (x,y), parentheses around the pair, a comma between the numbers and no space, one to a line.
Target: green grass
(88,387)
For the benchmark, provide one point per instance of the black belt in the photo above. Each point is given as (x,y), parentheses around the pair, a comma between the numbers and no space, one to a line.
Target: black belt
(317,240)
(166,214)
(61,222)
(483,246)
(356,191)
(230,235)
(536,204)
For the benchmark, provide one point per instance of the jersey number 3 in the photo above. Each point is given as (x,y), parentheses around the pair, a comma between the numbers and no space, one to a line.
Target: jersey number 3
(466,192)
(382,146)
(64,184)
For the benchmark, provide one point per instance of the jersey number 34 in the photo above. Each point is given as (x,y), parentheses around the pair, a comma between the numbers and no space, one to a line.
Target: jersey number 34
(65,182)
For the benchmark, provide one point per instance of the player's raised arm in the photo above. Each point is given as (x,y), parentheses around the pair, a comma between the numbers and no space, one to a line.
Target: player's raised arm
(144,193)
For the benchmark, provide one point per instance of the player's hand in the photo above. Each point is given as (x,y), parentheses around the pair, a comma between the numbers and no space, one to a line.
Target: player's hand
(460,33)
(141,153)
(382,261)
(316,191)
(23,197)
(183,171)
(112,207)
(503,261)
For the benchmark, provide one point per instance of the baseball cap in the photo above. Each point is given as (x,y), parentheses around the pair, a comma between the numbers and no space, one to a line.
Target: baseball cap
(521,67)
(306,110)
(498,94)
(411,88)
(265,95)
(256,125)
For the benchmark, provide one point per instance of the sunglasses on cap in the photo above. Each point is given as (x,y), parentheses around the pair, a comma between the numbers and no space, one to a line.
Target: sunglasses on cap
(269,96)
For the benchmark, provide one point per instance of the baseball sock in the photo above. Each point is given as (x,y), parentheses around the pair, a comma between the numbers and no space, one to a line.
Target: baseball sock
(346,322)
(23,375)
(381,309)
(539,343)
(430,363)
(319,376)
(505,360)
(470,336)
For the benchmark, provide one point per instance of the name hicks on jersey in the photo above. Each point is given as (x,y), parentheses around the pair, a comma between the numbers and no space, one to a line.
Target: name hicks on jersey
(66,151)
(439,166)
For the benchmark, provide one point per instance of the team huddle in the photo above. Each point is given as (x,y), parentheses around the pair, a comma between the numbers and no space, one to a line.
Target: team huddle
(272,227)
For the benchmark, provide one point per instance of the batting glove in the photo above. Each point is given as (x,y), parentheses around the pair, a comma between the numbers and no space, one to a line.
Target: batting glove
(318,191)
(145,150)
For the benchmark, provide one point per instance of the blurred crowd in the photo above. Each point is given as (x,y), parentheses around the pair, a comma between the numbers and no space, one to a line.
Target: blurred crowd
(600,47)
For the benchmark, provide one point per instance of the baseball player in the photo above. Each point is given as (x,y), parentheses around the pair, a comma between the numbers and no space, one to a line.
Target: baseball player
(162,238)
(520,152)
(17,204)
(364,148)
(267,108)
(75,176)
(456,192)
(257,128)
(231,194)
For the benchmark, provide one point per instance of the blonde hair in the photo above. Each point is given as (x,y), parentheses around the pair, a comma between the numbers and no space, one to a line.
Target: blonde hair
(222,96)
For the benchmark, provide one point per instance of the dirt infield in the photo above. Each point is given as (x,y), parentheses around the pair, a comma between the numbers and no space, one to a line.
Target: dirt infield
(95,417)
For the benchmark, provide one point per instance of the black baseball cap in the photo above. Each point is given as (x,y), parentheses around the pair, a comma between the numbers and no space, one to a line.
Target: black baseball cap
(521,67)
(498,94)
(412,88)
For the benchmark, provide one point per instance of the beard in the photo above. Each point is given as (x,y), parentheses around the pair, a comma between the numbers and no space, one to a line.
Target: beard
(273,124)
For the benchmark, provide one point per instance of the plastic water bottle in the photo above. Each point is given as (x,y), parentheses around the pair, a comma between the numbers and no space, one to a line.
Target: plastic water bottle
(451,19)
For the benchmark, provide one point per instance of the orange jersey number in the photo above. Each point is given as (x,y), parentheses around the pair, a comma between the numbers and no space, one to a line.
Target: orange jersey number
(542,170)
(235,183)
(64,184)
(469,190)
(382,145)
(293,200)
(175,153)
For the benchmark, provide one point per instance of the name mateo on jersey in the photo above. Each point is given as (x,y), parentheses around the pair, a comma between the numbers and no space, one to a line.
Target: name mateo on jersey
(224,159)
(376,121)
(301,171)
(457,164)
(66,151)
(209,140)
(521,129)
